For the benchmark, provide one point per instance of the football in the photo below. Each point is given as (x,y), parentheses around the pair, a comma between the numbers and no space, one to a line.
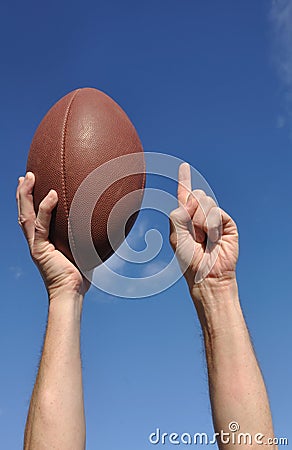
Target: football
(84,133)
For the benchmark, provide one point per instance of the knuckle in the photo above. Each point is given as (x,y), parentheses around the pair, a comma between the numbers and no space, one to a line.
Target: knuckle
(210,202)
(22,190)
(39,227)
(36,251)
(199,193)
(174,215)
(207,203)
(199,217)
(28,217)
(23,220)
(43,206)
(32,252)
(179,216)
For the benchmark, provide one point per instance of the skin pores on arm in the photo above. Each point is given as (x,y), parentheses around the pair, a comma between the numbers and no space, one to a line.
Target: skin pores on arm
(199,229)
(56,413)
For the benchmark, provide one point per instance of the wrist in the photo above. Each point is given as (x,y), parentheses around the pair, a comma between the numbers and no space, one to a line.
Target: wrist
(72,290)
(218,307)
(214,288)
(66,300)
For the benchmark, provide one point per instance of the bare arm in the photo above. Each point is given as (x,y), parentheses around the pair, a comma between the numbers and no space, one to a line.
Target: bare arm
(237,391)
(56,413)
(236,386)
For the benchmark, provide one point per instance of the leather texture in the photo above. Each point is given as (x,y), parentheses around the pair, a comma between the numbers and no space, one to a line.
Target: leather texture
(83,130)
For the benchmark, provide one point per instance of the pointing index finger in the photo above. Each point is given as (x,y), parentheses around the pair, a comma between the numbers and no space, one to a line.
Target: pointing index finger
(184,183)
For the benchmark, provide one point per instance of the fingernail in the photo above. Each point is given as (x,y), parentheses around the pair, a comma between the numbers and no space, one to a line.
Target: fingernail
(216,235)
(53,193)
(28,175)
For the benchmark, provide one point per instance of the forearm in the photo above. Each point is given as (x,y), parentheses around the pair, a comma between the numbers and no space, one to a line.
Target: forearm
(237,389)
(56,413)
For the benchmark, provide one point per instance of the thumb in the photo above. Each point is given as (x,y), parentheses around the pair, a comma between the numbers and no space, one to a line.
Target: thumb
(43,219)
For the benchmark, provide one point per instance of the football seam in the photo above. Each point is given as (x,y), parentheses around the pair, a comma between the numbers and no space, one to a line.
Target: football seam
(63,170)
(63,176)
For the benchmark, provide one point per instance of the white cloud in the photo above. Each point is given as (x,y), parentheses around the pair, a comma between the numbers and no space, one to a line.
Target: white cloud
(16,271)
(281,20)
(141,228)
(138,232)
(281,121)
(281,17)
(154,267)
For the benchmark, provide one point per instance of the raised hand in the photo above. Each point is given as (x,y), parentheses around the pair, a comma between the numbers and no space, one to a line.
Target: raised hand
(59,274)
(203,236)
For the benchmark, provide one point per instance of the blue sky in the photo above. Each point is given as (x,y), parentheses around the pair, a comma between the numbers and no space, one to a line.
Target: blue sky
(209,82)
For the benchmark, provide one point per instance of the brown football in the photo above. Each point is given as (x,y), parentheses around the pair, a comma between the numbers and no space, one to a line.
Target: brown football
(81,132)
